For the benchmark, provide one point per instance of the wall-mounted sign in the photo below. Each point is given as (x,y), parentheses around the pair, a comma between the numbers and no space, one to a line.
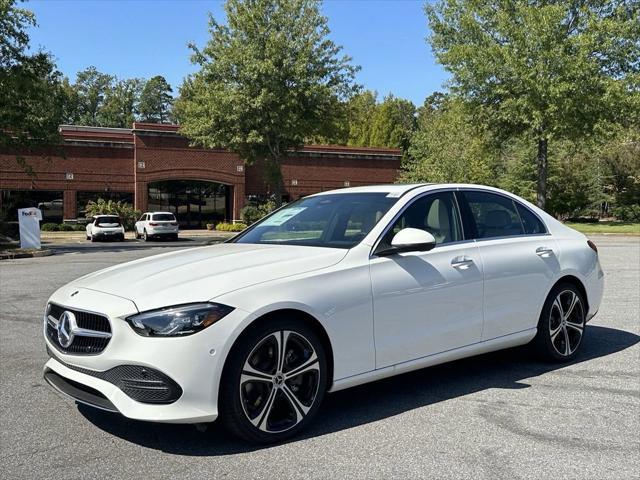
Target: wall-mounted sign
(29,224)
(294,182)
(141,164)
(347,183)
(68,176)
(240,168)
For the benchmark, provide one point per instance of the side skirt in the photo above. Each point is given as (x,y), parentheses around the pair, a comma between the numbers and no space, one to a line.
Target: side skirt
(506,341)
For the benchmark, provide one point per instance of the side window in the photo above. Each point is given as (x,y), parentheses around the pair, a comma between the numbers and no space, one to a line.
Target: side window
(494,215)
(531,223)
(436,213)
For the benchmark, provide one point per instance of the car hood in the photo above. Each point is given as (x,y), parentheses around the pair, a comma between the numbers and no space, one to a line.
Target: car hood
(200,274)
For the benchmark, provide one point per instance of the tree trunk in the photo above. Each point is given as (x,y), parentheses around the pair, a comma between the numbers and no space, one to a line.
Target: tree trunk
(274,176)
(541,188)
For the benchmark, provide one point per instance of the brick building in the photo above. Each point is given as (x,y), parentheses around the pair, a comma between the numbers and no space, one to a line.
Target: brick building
(154,168)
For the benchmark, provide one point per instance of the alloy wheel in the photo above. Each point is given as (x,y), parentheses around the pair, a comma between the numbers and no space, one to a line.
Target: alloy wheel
(566,323)
(279,381)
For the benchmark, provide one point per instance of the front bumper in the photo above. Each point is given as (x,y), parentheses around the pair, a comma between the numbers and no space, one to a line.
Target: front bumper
(193,362)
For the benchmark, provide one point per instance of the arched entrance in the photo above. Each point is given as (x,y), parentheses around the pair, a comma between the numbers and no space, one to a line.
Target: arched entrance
(194,202)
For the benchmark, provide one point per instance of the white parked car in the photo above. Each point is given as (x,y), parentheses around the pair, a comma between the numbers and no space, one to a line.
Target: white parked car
(157,224)
(331,291)
(103,227)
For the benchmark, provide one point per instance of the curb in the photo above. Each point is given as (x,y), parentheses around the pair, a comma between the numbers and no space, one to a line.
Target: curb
(39,253)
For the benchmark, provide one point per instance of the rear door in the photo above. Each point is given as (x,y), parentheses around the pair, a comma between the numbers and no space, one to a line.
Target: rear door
(518,258)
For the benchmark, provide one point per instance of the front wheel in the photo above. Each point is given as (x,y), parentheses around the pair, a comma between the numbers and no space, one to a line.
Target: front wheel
(562,324)
(145,236)
(274,382)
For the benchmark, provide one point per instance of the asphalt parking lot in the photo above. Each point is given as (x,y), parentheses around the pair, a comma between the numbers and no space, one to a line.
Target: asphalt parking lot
(501,415)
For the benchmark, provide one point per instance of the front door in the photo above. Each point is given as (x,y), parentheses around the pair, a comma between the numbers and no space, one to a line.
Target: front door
(427,302)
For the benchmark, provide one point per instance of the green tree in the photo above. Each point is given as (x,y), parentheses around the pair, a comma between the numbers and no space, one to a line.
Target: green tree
(620,156)
(31,98)
(393,123)
(552,69)
(156,101)
(269,79)
(91,87)
(361,109)
(449,147)
(121,103)
(71,111)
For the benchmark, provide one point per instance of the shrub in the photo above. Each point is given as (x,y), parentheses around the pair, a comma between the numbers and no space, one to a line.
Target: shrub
(79,228)
(252,213)
(230,227)
(50,227)
(65,227)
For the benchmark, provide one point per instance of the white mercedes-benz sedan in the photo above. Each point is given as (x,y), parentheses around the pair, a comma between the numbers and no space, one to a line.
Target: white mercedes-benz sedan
(331,291)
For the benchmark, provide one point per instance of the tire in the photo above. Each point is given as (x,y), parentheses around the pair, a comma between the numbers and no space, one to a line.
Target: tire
(247,401)
(121,238)
(562,323)
(137,234)
(145,237)
(92,238)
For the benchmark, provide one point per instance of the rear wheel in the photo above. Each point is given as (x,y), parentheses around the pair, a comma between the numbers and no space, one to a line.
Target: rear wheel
(145,237)
(274,382)
(562,324)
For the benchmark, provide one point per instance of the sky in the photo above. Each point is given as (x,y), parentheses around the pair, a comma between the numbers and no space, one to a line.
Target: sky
(144,38)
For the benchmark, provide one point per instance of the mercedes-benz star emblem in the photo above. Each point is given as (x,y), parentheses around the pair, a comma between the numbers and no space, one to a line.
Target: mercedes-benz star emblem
(65,328)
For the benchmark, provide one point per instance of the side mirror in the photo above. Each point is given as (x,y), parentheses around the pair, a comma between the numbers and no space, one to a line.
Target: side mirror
(410,240)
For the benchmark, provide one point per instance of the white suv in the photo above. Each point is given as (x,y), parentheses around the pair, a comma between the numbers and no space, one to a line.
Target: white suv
(157,224)
(105,226)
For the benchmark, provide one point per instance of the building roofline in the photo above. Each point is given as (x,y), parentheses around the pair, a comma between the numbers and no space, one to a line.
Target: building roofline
(105,136)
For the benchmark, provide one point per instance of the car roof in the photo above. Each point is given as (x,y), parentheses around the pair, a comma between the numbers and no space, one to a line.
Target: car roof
(389,188)
(398,190)
(153,213)
(106,215)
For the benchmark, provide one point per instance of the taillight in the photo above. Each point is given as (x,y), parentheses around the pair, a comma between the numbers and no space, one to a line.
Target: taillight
(592,246)
(154,224)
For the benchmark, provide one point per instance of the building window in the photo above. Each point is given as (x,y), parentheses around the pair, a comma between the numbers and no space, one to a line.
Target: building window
(195,203)
(50,202)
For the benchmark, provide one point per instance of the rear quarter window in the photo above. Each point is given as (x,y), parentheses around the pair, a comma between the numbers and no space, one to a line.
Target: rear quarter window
(532,224)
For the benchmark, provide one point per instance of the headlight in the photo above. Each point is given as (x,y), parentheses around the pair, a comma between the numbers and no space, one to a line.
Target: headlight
(179,320)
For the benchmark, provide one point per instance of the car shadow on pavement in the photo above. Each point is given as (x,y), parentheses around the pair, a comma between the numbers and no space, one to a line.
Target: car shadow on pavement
(371,402)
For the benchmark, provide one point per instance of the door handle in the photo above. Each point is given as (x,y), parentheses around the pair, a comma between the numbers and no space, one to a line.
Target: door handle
(544,251)
(463,261)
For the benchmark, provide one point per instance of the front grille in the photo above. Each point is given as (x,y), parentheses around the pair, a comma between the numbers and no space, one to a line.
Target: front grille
(81,345)
(142,384)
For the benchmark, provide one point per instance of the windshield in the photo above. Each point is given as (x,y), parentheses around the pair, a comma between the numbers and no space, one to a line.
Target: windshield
(339,220)
(107,222)
(164,217)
